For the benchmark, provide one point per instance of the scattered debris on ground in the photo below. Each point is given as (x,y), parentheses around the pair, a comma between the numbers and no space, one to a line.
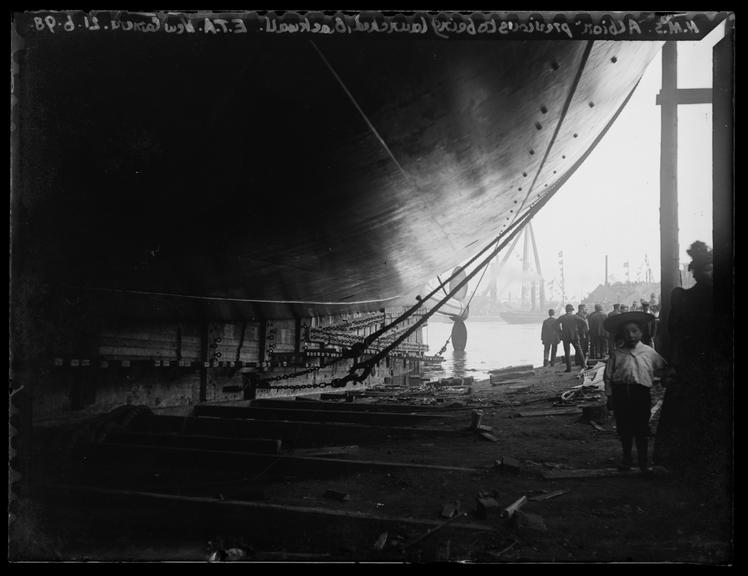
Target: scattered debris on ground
(417,491)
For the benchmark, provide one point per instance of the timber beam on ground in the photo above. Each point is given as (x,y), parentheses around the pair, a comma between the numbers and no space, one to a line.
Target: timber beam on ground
(507,369)
(345,406)
(503,376)
(598,473)
(313,415)
(258,445)
(293,433)
(574,411)
(140,457)
(265,523)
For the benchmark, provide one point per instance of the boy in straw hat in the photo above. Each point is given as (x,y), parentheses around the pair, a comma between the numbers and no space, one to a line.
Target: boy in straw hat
(628,378)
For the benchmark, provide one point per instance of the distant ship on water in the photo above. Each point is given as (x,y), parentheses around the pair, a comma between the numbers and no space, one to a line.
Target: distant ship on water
(532,309)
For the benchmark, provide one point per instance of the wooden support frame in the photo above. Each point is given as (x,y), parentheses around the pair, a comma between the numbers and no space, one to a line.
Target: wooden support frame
(669,248)
(723,167)
(227,459)
(300,404)
(313,415)
(293,433)
(203,392)
(247,506)
(687,96)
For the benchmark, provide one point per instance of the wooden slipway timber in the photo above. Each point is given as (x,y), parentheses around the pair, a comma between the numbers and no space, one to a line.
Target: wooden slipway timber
(287,175)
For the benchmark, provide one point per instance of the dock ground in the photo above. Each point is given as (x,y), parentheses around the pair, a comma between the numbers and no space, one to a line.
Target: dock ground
(415,483)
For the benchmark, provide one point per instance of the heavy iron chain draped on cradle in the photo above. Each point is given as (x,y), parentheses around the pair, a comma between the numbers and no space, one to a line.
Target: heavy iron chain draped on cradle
(366,366)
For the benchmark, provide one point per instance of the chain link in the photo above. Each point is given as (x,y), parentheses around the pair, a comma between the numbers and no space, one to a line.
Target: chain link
(336,383)
(304,386)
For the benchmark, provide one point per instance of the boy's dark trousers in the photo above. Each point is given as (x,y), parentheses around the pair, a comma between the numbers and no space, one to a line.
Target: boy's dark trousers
(631,406)
(578,353)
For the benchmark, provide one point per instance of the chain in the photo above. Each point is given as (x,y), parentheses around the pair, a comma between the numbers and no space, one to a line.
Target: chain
(444,348)
(336,383)
(301,386)
(356,323)
(303,372)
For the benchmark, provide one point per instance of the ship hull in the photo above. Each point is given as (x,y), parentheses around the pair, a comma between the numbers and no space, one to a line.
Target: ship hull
(523,317)
(164,177)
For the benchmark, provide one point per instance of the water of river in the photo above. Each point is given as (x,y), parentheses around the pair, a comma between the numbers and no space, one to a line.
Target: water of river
(490,344)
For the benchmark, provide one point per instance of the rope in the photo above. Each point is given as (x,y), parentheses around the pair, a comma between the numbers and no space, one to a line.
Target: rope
(511,231)
(374,131)
(366,365)
(360,111)
(467,305)
(477,284)
(421,301)
(532,211)
(442,283)
(259,301)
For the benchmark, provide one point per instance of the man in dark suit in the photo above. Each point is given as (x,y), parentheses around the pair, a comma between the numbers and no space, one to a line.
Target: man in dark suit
(572,327)
(598,334)
(550,336)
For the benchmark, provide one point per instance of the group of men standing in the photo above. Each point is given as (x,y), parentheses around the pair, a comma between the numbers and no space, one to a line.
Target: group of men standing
(585,332)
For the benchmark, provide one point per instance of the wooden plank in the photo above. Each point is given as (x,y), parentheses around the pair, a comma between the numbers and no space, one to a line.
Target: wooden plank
(128,454)
(337,395)
(121,351)
(518,388)
(548,495)
(262,506)
(292,433)
(689,96)
(511,376)
(315,415)
(260,445)
(556,412)
(300,404)
(595,473)
(327,451)
(494,382)
(520,368)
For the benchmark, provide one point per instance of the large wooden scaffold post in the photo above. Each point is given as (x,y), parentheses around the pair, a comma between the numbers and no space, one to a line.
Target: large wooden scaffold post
(670,269)
(723,166)
(721,96)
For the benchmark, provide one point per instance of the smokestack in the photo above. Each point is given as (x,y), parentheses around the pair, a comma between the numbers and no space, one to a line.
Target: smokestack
(606,269)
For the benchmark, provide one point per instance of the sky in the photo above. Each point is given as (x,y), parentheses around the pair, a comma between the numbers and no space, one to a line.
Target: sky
(614,195)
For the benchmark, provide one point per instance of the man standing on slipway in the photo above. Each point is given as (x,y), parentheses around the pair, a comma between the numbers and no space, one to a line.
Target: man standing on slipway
(550,336)
(572,326)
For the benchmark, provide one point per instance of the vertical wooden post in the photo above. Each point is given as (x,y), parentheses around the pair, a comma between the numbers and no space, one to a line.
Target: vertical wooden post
(723,166)
(297,336)
(249,380)
(262,337)
(722,171)
(669,259)
(203,360)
